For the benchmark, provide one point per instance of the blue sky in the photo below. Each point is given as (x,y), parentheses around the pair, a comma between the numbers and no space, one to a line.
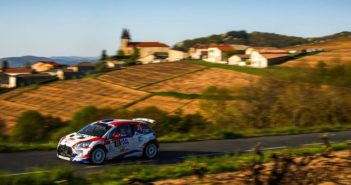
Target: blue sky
(85,27)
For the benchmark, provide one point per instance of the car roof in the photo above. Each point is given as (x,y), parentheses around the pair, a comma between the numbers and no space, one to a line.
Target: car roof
(116,122)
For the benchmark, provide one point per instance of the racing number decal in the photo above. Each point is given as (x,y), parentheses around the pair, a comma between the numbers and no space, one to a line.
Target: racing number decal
(123,141)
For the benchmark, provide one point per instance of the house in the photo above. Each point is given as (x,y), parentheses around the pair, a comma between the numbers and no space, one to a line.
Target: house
(219,53)
(238,59)
(156,57)
(4,80)
(114,64)
(66,74)
(83,68)
(27,79)
(259,60)
(17,71)
(40,66)
(175,55)
(265,50)
(199,51)
(144,49)
(239,49)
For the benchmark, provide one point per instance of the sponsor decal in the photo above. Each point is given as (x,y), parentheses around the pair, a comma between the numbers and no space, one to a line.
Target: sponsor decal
(140,139)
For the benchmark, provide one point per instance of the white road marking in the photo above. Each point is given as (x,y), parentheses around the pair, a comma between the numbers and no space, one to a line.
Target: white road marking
(271,148)
(309,144)
(24,173)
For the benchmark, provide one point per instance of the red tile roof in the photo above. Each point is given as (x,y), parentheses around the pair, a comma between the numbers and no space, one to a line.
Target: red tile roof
(224,47)
(147,44)
(18,70)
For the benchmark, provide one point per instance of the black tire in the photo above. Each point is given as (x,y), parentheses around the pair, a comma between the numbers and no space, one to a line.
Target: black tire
(150,151)
(97,156)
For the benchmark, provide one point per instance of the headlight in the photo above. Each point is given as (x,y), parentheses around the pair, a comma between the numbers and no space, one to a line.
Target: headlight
(82,145)
(62,138)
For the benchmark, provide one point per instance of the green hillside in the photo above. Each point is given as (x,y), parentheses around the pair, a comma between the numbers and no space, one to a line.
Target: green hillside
(255,39)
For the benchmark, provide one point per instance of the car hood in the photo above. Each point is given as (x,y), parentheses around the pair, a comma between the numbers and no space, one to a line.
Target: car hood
(74,138)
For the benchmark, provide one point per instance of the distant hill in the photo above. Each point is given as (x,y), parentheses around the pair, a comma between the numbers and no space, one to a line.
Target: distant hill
(24,60)
(256,39)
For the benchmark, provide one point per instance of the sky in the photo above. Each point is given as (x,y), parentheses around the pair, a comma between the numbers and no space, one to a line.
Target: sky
(86,27)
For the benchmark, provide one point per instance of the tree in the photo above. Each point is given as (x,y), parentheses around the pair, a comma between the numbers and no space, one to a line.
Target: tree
(5,64)
(33,126)
(120,53)
(2,129)
(103,55)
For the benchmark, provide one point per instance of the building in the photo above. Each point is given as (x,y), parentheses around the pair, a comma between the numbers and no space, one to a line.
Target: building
(199,51)
(27,79)
(83,68)
(4,80)
(40,66)
(239,49)
(259,60)
(238,59)
(219,53)
(17,71)
(175,55)
(145,50)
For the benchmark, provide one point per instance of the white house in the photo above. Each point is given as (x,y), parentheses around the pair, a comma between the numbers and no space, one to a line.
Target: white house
(239,59)
(219,53)
(175,55)
(259,60)
(200,51)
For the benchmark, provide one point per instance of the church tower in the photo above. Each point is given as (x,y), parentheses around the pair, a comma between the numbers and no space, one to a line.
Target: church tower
(125,39)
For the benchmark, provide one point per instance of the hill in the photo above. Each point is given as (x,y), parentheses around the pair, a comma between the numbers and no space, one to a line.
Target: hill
(24,60)
(256,39)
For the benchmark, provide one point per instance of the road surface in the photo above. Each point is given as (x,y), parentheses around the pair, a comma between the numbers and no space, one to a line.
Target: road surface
(26,162)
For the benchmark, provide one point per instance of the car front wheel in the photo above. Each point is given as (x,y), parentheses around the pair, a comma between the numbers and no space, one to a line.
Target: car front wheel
(150,151)
(97,156)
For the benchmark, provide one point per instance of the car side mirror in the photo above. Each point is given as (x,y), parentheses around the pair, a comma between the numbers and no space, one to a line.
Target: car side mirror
(117,136)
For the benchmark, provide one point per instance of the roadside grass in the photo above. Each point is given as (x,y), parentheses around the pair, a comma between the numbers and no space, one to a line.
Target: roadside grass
(144,174)
(247,133)
(11,146)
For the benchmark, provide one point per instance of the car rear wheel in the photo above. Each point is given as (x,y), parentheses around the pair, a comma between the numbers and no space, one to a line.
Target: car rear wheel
(150,151)
(97,156)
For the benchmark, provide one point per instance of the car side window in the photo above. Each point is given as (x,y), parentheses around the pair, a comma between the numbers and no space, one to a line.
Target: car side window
(146,129)
(113,132)
(125,130)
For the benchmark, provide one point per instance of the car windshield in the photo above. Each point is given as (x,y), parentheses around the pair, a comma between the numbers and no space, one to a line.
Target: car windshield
(97,129)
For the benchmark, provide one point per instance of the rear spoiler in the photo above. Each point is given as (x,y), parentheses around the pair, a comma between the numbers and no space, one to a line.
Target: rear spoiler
(145,120)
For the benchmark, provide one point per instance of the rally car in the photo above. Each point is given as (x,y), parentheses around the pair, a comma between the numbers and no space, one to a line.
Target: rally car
(109,139)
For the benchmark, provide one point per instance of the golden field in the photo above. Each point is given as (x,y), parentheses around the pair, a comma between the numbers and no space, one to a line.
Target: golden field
(197,82)
(141,75)
(336,52)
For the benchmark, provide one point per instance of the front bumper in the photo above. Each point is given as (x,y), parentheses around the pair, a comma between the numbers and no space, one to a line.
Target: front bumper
(69,154)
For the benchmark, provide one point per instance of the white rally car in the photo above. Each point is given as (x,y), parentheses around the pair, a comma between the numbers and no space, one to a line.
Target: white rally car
(109,139)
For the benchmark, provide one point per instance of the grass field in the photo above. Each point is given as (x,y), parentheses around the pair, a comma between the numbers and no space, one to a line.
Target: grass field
(143,75)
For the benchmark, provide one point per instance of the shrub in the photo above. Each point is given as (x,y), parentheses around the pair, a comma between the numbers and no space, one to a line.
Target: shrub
(32,126)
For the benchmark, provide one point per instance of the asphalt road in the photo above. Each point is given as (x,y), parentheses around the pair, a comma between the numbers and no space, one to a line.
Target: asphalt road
(26,162)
